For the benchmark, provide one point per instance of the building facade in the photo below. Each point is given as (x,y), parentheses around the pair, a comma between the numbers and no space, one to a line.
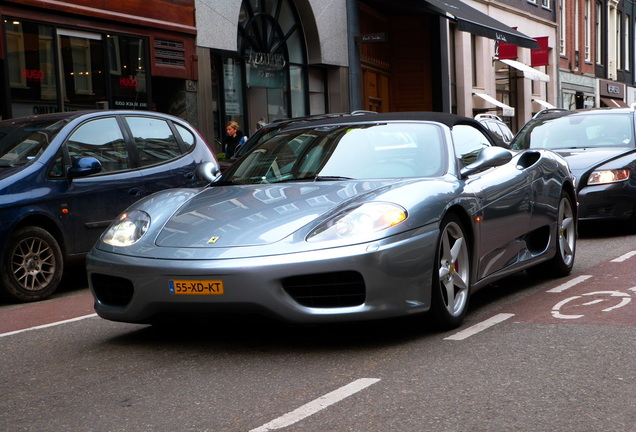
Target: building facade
(577,54)
(264,60)
(254,61)
(75,55)
(615,52)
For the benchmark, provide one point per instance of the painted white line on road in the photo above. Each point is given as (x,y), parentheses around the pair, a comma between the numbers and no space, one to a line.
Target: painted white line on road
(316,405)
(470,331)
(577,280)
(48,325)
(625,257)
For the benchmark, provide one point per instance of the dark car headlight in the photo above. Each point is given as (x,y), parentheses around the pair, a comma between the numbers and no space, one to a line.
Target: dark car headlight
(359,221)
(607,176)
(128,229)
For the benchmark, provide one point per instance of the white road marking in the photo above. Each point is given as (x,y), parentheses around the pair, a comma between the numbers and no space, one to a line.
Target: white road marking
(577,280)
(316,405)
(470,331)
(625,257)
(48,325)
(624,301)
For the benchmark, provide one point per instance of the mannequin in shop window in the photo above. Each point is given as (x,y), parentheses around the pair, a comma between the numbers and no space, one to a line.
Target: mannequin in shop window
(234,138)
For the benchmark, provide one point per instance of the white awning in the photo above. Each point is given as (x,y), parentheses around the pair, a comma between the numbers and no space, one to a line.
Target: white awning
(544,104)
(508,111)
(528,72)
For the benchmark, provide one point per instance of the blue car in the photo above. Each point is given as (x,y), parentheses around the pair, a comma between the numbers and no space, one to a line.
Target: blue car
(64,178)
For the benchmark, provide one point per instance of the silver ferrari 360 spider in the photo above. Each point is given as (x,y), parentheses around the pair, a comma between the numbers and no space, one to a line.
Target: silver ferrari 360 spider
(342,219)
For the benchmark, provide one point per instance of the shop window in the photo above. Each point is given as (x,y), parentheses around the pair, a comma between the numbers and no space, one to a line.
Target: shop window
(31,67)
(127,58)
(83,69)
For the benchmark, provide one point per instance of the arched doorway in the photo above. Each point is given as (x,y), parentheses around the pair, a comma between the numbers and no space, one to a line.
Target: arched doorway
(271,45)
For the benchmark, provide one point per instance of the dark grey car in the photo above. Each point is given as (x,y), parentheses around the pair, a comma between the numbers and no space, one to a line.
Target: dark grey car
(600,148)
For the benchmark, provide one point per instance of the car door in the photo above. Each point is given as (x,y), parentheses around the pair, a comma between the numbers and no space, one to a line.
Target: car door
(163,149)
(94,201)
(504,194)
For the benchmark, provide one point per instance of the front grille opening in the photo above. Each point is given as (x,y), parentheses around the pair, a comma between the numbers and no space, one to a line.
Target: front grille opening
(112,290)
(327,290)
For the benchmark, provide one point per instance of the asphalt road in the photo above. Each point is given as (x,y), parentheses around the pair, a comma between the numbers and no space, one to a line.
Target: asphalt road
(533,355)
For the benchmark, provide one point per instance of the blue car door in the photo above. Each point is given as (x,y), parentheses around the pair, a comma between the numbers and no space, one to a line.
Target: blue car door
(163,153)
(94,201)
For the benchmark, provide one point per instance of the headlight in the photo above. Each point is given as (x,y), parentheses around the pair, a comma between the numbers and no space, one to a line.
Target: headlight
(359,221)
(607,176)
(128,229)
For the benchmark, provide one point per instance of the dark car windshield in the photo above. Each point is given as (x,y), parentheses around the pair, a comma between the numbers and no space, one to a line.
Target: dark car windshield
(23,142)
(358,151)
(578,131)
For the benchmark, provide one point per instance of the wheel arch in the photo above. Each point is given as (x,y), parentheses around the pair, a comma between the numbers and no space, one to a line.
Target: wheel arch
(568,188)
(466,221)
(44,222)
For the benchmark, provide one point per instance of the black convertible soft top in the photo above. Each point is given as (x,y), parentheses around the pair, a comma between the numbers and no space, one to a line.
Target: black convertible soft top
(450,120)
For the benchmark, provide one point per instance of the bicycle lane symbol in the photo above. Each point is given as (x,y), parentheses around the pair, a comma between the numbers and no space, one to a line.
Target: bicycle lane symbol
(606,295)
(594,303)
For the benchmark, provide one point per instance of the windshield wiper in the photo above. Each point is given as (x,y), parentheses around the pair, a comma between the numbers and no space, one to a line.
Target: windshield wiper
(331,178)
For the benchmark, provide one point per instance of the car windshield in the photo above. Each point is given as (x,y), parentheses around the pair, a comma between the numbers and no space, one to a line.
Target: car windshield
(350,151)
(578,131)
(22,142)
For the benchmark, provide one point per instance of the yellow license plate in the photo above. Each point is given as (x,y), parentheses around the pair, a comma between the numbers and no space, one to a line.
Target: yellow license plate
(196,287)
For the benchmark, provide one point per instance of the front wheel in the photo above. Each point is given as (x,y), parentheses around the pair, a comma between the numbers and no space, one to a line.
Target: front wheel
(451,275)
(32,266)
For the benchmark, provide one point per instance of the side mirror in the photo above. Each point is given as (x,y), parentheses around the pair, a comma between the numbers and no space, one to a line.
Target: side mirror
(488,157)
(84,166)
(208,171)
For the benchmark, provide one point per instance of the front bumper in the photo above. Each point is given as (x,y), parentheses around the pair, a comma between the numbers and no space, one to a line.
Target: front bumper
(396,274)
(612,201)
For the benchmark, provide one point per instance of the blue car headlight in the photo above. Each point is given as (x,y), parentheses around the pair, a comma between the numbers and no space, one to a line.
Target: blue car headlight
(608,176)
(359,221)
(128,229)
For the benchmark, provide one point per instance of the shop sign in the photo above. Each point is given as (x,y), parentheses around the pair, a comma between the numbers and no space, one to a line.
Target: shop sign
(541,56)
(371,37)
(123,104)
(612,89)
(265,60)
(26,109)
(128,83)
(32,75)
(266,78)
(505,50)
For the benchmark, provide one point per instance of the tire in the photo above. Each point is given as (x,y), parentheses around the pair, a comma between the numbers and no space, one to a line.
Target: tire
(561,264)
(451,275)
(32,266)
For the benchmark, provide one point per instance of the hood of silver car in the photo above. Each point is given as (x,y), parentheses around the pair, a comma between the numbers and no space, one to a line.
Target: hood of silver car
(234,216)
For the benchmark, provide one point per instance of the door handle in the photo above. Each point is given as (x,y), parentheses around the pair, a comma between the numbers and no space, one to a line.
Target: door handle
(136,192)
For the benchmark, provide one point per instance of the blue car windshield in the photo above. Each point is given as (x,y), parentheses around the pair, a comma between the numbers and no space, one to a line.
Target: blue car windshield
(345,151)
(22,142)
(578,131)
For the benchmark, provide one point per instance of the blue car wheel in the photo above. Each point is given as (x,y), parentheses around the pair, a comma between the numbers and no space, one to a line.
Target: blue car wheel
(33,265)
